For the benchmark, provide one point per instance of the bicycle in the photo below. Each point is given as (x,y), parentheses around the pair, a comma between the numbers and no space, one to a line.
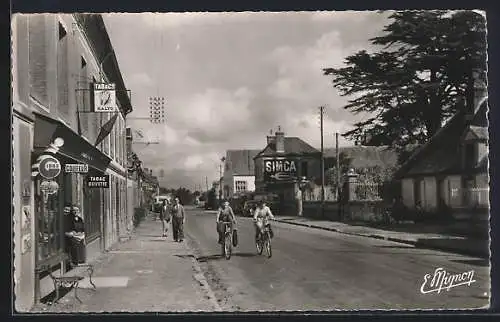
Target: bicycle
(227,245)
(264,241)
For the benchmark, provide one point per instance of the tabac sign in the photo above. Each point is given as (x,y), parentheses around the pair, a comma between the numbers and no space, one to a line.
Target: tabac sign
(104,97)
(97,181)
(280,169)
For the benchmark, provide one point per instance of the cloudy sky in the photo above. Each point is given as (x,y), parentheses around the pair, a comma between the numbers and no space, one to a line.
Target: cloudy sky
(229,78)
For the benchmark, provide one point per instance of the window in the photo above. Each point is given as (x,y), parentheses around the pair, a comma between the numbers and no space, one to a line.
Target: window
(47,209)
(303,169)
(92,212)
(470,155)
(83,102)
(112,138)
(105,145)
(38,58)
(241,186)
(62,74)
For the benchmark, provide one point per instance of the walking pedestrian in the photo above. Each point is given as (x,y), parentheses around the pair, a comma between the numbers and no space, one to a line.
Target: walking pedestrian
(178,220)
(164,217)
(298,199)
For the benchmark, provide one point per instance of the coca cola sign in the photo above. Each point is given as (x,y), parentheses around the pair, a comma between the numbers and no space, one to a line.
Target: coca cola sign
(49,167)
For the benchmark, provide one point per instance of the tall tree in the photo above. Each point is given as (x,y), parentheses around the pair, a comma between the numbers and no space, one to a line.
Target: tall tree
(422,74)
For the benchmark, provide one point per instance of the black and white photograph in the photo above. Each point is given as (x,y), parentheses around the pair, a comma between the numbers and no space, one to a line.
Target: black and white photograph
(296,161)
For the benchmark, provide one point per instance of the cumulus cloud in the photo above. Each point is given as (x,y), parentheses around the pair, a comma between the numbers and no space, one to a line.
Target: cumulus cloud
(183,19)
(230,78)
(140,79)
(211,114)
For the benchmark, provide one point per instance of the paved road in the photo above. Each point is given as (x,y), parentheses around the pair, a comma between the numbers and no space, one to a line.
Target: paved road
(313,269)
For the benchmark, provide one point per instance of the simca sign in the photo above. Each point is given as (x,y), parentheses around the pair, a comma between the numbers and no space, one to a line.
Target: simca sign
(104,97)
(98,181)
(280,169)
(76,168)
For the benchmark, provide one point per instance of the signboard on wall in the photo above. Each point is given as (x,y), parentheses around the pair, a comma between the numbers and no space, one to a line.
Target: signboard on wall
(104,97)
(280,169)
(94,181)
(76,168)
(49,167)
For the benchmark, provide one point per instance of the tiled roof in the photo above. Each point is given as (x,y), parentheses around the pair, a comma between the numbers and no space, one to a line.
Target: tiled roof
(366,156)
(241,161)
(293,145)
(442,152)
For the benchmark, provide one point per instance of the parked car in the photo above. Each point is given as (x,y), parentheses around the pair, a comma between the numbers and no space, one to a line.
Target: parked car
(158,201)
(211,203)
(249,208)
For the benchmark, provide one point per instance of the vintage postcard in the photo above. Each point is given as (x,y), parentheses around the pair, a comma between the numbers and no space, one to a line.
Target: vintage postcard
(250,161)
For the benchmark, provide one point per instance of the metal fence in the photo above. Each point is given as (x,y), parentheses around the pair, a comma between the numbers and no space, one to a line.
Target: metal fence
(362,192)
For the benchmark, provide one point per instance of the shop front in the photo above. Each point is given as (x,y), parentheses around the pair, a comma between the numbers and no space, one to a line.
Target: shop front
(77,160)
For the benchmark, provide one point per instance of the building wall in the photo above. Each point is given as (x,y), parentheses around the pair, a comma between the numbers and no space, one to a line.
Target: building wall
(313,169)
(407,192)
(23,209)
(58,90)
(430,193)
(453,185)
(483,193)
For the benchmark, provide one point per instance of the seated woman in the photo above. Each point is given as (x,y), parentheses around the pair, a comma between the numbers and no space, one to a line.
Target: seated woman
(74,231)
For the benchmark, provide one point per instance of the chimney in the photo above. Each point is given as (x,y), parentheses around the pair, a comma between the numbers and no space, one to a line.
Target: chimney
(270,139)
(280,141)
(151,172)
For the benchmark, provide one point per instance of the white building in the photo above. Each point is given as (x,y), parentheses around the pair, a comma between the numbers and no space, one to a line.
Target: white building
(239,173)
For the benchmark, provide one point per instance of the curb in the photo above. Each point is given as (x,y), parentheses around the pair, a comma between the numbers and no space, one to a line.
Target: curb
(199,276)
(417,244)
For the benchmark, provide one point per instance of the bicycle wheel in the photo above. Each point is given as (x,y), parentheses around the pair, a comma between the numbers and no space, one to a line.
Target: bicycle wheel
(259,245)
(267,246)
(227,246)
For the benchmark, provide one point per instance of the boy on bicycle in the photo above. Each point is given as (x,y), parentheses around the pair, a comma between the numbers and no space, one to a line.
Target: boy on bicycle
(261,218)
(225,214)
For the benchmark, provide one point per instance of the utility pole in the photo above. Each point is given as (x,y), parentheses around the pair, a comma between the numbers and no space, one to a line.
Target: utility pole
(206,182)
(322,112)
(337,157)
(220,182)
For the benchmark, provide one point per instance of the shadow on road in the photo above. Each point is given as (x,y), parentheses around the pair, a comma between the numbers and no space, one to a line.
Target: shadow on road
(149,235)
(396,246)
(474,262)
(184,256)
(215,257)
(157,240)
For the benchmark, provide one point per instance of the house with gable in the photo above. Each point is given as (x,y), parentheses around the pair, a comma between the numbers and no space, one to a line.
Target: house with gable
(283,164)
(239,173)
(452,168)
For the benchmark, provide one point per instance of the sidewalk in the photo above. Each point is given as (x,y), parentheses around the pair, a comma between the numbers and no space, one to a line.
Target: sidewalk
(443,242)
(148,273)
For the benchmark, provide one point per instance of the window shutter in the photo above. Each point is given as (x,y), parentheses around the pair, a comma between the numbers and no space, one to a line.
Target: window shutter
(38,58)
(84,103)
(22,57)
(62,75)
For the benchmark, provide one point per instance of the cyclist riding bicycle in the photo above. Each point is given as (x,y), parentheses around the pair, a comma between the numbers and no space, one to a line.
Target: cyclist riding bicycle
(261,218)
(225,214)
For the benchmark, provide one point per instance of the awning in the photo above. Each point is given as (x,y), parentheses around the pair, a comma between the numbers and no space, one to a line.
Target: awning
(75,147)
